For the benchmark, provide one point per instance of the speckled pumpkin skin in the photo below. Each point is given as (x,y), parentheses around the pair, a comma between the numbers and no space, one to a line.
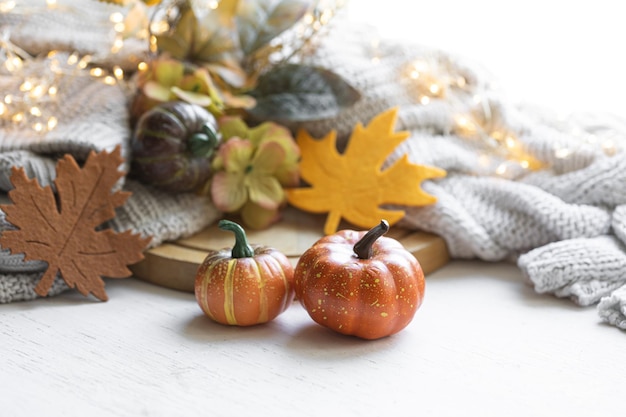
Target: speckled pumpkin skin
(244,291)
(368,298)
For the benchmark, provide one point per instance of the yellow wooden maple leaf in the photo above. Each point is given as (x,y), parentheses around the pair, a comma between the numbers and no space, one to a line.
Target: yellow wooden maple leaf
(353,185)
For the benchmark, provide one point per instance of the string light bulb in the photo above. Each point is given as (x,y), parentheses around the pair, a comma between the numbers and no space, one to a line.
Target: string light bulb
(7,6)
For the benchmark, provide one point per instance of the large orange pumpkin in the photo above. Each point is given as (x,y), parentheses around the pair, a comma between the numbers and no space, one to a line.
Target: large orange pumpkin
(360,283)
(246,285)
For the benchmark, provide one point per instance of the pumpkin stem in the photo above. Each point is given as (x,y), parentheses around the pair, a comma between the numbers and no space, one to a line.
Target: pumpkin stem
(241,249)
(202,144)
(363,248)
(209,130)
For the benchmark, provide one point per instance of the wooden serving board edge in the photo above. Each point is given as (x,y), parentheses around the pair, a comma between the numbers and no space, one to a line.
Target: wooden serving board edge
(174,266)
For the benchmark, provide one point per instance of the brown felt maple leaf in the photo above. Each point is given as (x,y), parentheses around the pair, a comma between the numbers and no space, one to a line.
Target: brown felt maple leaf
(65,235)
(353,185)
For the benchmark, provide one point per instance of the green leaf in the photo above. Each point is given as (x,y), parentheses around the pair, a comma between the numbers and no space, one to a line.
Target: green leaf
(260,21)
(298,93)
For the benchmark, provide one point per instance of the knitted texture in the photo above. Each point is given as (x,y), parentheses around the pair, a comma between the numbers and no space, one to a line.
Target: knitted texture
(72,26)
(92,116)
(584,270)
(564,225)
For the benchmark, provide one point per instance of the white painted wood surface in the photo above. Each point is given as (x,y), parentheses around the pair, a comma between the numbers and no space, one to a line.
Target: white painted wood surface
(483,344)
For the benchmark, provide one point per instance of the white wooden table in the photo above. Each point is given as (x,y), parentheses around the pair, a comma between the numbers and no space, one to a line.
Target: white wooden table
(482,344)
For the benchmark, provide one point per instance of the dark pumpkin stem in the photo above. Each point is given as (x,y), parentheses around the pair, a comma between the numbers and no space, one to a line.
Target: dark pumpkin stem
(241,249)
(363,248)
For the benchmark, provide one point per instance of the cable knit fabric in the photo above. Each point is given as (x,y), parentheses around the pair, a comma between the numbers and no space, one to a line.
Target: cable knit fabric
(564,224)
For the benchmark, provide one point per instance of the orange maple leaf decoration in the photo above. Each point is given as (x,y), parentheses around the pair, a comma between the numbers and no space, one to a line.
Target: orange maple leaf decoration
(353,185)
(65,236)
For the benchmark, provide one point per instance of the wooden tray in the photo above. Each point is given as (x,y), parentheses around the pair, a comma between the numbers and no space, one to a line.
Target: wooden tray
(174,264)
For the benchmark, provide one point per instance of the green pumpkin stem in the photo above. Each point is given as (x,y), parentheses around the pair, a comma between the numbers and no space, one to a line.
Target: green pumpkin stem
(242,248)
(363,248)
(209,130)
(203,144)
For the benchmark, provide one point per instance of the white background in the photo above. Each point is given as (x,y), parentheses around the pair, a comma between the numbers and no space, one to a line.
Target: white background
(568,56)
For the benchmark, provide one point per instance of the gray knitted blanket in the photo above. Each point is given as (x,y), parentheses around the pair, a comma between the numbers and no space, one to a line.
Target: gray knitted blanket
(564,225)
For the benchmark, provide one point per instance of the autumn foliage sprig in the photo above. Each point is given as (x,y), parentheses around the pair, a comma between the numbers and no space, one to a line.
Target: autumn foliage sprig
(237,58)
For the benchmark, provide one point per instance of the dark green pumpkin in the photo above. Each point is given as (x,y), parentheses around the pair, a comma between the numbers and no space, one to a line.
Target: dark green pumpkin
(172,146)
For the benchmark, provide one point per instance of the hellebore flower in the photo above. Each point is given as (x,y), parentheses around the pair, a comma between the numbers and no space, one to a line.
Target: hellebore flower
(250,170)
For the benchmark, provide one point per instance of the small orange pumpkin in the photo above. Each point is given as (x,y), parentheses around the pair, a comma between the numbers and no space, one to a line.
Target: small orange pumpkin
(246,285)
(360,283)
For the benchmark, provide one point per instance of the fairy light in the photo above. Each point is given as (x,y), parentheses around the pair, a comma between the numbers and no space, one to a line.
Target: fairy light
(465,126)
(325,17)
(153,44)
(26,86)
(213,4)
(423,81)
(51,3)
(72,59)
(434,89)
(118,44)
(109,80)
(84,62)
(118,72)
(96,72)
(119,27)
(510,142)
(37,91)
(7,6)
(13,64)
(159,27)
(35,111)
(18,117)
(52,122)
(116,17)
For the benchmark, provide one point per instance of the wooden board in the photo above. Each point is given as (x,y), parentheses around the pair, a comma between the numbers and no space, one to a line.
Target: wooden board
(174,264)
